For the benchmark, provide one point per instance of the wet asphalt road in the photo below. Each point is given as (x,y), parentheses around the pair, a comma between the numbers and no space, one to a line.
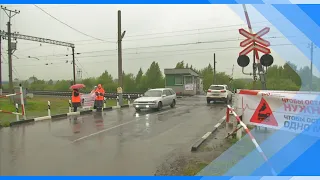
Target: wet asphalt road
(118,142)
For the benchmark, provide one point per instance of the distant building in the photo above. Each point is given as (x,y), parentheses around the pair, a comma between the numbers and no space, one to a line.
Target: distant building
(183,81)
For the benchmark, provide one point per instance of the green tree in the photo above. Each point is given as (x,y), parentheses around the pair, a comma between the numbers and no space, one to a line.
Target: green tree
(290,72)
(207,74)
(38,85)
(89,83)
(238,84)
(107,82)
(180,65)
(138,80)
(153,77)
(222,78)
(129,84)
(25,84)
(62,85)
(50,82)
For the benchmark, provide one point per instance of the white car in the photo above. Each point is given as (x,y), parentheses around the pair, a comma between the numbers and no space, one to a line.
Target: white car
(219,93)
(156,99)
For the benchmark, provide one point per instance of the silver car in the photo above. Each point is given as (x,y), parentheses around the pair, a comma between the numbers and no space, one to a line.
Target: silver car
(156,99)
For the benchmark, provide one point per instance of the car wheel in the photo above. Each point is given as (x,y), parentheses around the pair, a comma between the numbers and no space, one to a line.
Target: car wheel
(226,101)
(159,106)
(208,101)
(173,104)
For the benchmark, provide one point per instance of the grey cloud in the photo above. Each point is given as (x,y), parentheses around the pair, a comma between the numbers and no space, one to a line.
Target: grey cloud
(101,21)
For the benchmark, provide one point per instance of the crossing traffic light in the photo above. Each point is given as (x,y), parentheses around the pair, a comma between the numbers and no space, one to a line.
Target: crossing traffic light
(266,60)
(243,60)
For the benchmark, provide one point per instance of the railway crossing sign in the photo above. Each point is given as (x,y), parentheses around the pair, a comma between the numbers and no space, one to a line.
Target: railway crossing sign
(255,47)
(255,42)
(254,37)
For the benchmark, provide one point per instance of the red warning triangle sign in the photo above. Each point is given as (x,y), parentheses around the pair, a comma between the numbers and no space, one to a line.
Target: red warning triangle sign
(263,114)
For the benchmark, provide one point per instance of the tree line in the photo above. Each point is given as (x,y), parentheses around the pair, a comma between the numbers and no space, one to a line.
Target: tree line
(284,77)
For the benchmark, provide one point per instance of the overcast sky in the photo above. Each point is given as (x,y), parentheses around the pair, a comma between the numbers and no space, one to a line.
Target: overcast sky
(163,33)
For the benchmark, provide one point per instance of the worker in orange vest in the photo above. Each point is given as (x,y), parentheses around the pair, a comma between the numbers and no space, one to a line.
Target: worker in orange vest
(75,99)
(99,92)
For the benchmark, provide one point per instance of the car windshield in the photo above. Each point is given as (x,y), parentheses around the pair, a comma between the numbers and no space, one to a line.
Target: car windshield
(216,87)
(153,93)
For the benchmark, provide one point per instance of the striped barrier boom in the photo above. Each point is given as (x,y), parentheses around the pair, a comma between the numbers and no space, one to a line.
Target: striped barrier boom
(254,141)
(9,95)
(9,112)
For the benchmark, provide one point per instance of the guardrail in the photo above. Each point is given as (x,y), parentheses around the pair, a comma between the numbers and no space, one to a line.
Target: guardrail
(112,95)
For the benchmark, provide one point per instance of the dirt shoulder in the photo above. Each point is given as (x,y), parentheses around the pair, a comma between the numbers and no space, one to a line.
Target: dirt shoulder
(183,162)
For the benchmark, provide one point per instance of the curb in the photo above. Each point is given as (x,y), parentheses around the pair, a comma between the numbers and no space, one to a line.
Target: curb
(21,122)
(107,109)
(59,116)
(198,143)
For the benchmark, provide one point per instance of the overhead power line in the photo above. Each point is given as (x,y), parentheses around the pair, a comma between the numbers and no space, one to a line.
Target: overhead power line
(151,57)
(156,46)
(170,32)
(186,30)
(69,25)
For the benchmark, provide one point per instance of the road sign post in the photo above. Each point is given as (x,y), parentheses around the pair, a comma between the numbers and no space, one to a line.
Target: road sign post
(255,43)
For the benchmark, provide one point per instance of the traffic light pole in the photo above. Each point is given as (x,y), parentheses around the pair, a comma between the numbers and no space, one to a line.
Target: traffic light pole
(260,72)
(258,64)
(262,75)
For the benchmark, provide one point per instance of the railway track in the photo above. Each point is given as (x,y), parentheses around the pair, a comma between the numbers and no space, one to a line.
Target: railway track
(68,94)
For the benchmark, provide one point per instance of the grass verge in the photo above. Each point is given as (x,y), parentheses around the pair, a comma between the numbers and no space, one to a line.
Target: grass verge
(37,107)
(193,168)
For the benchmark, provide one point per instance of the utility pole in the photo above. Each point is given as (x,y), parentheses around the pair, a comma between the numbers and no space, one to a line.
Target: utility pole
(0,66)
(120,37)
(214,69)
(74,67)
(311,65)
(10,14)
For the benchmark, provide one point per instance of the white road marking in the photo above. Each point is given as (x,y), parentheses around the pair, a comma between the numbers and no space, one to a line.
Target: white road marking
(206,135)
(42,118)
(93,134)
(119,125)
(73,113)
(217,125)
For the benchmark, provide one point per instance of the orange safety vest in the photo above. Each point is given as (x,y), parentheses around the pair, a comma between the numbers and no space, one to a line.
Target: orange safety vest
(75,99)
(99,97)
